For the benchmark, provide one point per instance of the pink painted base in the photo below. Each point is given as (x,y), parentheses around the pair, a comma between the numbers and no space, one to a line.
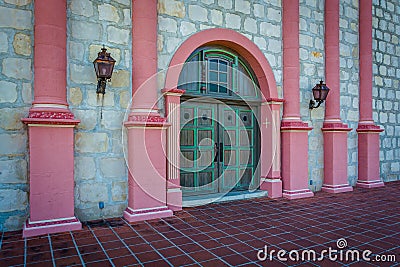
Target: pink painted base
(273,186)
(146,214)
(174,199)
(370,184)
(297,194)
(337,188)
(50,227)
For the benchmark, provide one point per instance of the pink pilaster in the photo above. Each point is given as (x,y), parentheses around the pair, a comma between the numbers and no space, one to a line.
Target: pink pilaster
(334,130)
(294,131)
(172,112)
(50,123)
(147,179)
(368,132)
(270,156)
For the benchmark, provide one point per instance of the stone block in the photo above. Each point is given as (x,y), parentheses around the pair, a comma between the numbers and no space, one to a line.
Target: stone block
(171,8)
(75,96)
(124,2)
(12,200)
(18,2)
(85,168)
(113,167)
(274,46)
(187,28)
(10,118)
(127,17)
(198,13)
(119,191)
(226,4)
(93,192)
(82,74)
(274,15)
(125,99)
(15,222)
(270,30)
(76,50)
(86,30)
(216,17)
(112,120)
(91,142)
(8,92)
(13,171)
(82,7)
(167,25)
(95,49)
(261,43)
(13,144)
(173,44)
(118,36)
(96,100)
(232,21)
(160,42)
(242,6)
(259,11)
(3,42)
(108,12)
(250,25)
(15,18)
(120,78)
(88,119)
(27,93)
(18,68)
(22,44)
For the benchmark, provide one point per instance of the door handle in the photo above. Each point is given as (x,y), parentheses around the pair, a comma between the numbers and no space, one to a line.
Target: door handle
(221,152)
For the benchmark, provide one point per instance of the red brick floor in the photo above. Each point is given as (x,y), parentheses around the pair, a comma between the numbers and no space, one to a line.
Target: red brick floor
(228,234)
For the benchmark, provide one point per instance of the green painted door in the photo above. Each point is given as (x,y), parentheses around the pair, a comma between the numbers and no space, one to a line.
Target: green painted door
(218,148)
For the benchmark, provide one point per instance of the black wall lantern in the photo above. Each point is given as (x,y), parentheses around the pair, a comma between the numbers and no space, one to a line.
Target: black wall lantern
(320,92)
(104,66)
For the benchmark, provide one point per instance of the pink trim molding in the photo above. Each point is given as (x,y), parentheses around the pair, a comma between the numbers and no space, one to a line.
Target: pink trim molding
(146,214)
(49,227)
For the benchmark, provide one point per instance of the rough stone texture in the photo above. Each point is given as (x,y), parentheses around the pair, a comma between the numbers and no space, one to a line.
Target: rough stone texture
(386,95)
(13,144)
(85,30)
(17,68)
(22,44)
(113,167)
(15,18)
(118,36)
(85,168)
(18,2)
(81,7)
(8,92)
(120,78)
(92,192)
(91,142)
(108,12)
(119,191)
(95,49)
(75,96)
(19,200)
(13,171)
(172,8)
(82,74)
(87,117)
(3,42)
(10,118)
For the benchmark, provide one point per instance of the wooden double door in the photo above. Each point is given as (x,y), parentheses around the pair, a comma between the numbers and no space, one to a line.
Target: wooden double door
(219,148)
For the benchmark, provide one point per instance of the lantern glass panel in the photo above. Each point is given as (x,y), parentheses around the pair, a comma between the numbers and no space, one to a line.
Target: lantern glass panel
(324,93)
(316,93)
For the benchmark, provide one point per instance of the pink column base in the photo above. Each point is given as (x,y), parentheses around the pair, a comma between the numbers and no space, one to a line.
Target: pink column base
(370,184)
(174,199)
(295,159)
(273,186)
(368,156)
(335,158)
(337,188)
(297,194)
(132,215)
(50,227)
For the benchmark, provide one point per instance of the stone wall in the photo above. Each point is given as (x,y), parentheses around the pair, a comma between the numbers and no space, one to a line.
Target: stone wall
(386,92)
(100,169)
(16,54)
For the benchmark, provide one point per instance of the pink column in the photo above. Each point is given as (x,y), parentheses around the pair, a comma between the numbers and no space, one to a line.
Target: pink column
(147,184)
(334,130)
(172,112)
(368,132)
(51,128)
(270,157)
(294,130)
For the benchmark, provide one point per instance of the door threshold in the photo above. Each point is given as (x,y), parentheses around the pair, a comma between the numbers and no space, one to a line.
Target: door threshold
(194,201)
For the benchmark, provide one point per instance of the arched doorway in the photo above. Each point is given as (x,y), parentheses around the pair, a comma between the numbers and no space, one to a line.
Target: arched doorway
(219,135)
(269,111)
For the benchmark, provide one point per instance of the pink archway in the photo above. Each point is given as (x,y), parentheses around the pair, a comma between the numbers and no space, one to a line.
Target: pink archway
(233,40)
(270,137)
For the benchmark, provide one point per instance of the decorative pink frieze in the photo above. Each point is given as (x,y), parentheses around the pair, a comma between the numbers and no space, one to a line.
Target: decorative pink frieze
(271,99)
(369,128)
(148,120)
(295,125)
(50,117)
(173,91)
(335,126)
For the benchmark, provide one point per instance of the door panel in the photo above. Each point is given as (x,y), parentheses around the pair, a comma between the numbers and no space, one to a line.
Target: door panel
(218,152)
